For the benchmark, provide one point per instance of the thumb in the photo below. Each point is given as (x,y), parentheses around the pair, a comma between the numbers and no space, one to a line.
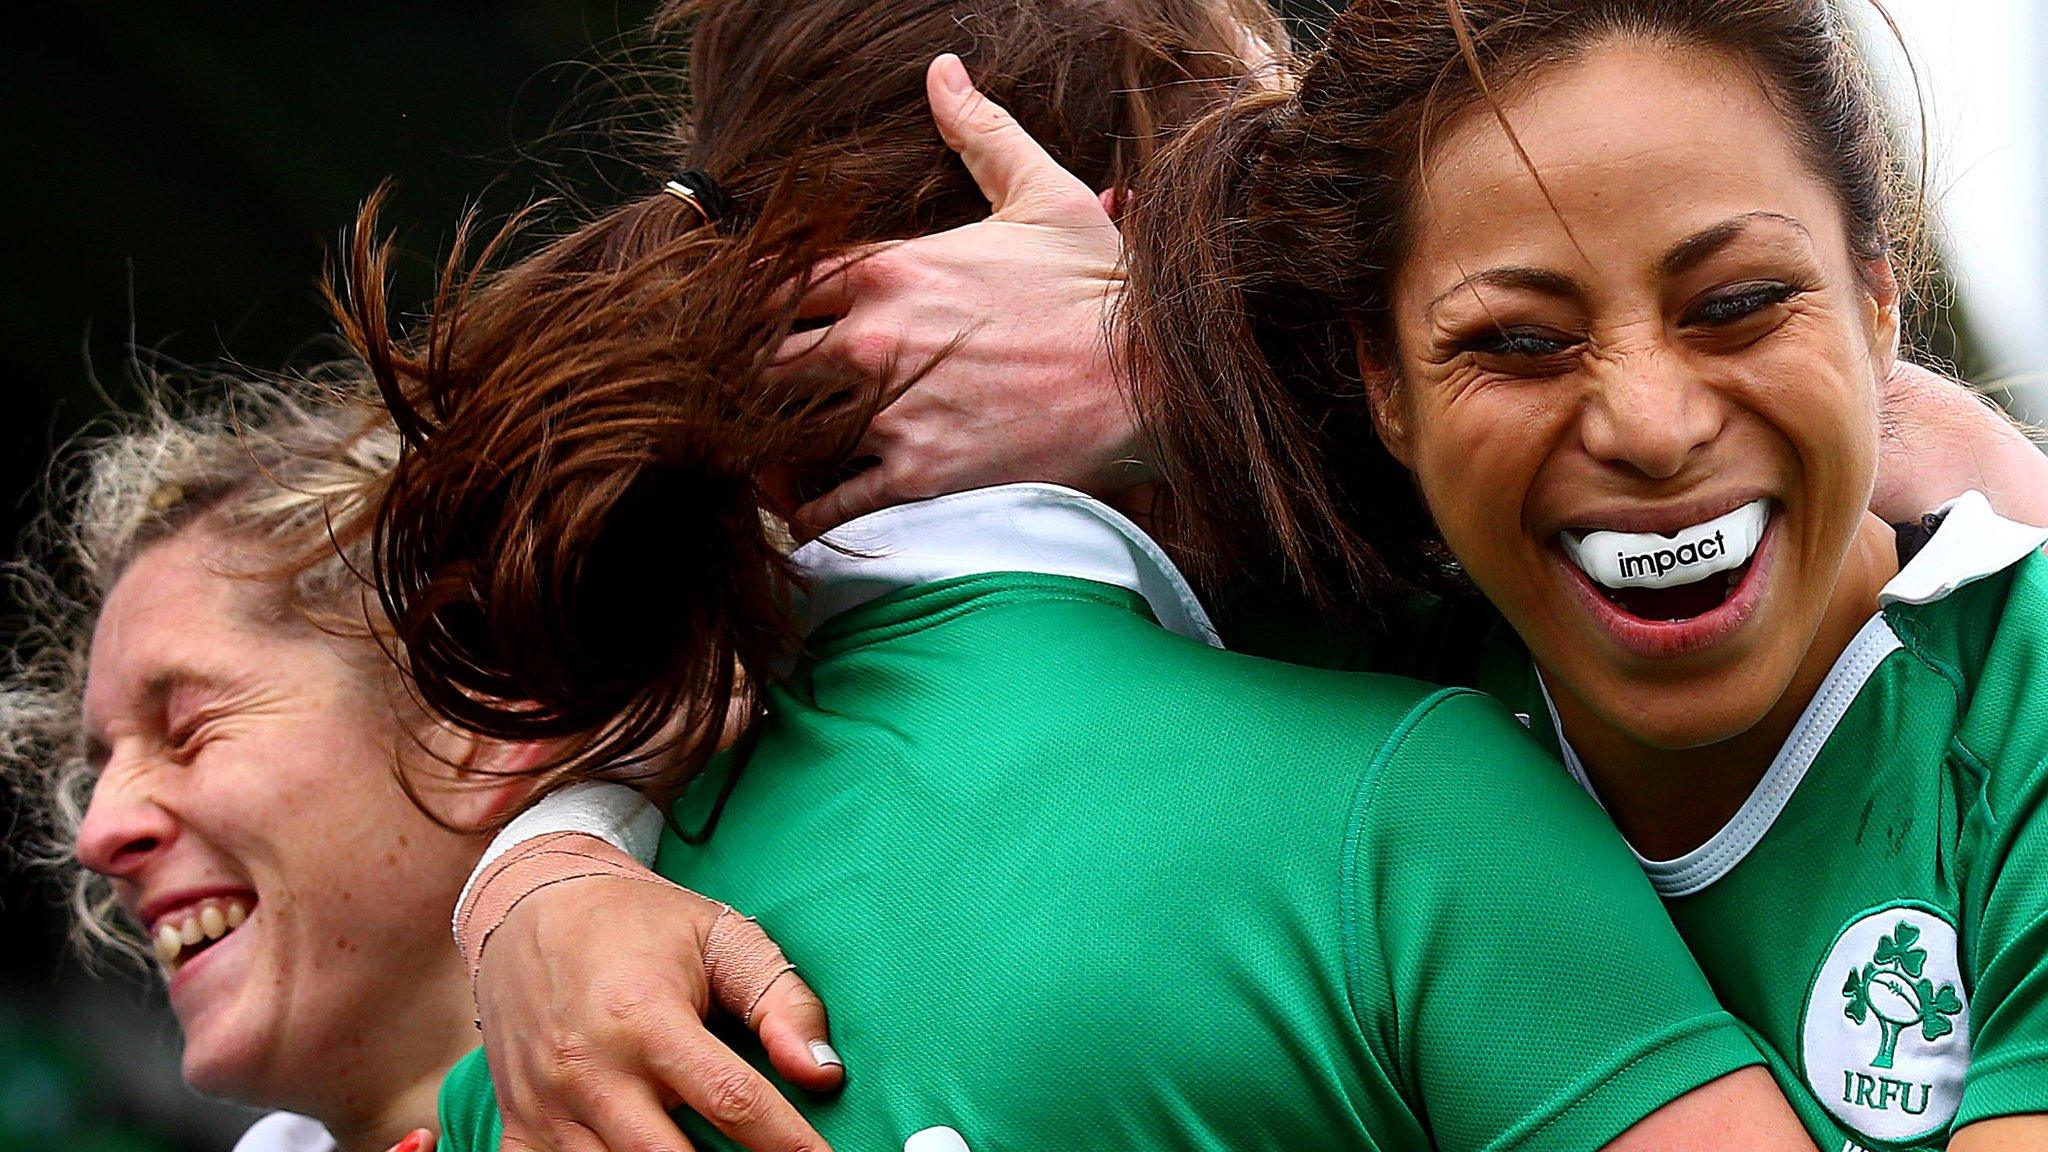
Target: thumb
(791,1023)
(1021,181)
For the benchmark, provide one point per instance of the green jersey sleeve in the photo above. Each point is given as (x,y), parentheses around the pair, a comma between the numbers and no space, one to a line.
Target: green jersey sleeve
(2003,739)
(469,1107)
(1524,986)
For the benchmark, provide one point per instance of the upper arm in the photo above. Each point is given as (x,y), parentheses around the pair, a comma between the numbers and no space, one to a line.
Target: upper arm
(1508,954)
(2005,1134)
(2008,1073)
(1742,1110)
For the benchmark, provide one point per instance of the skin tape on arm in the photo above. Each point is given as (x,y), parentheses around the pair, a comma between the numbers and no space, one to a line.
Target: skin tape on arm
(613,813)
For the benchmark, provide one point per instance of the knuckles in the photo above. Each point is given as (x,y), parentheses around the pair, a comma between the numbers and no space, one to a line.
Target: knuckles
(733,1097)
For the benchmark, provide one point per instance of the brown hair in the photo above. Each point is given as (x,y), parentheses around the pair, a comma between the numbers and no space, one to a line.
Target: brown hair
(1264,253)
(575,545)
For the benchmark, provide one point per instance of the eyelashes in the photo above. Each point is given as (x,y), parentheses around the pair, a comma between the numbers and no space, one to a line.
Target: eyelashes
(1725,310)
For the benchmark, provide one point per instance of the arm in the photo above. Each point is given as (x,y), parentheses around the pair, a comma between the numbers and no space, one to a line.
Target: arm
(1019,302)
(1941,440)
(2006,1134)
(563,909)
(1512,965)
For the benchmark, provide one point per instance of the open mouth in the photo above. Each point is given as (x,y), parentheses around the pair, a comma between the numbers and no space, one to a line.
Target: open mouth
(184,934)
(1668,578)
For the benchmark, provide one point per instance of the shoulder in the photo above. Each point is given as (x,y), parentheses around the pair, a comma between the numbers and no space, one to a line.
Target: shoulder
(469,1107)
(1972,607)
(285,1132)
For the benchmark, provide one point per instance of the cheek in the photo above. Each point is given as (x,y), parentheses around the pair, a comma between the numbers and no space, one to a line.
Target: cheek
(1478,452)
(1818,391)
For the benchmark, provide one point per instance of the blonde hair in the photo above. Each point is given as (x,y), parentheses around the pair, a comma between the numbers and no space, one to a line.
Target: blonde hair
(294,466)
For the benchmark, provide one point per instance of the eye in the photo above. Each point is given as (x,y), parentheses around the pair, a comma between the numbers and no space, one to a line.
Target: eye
(1738,302)
(184,739)
(1519,342)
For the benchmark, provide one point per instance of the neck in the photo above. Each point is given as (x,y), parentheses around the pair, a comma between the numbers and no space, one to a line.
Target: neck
(401,1062)
(1669,801)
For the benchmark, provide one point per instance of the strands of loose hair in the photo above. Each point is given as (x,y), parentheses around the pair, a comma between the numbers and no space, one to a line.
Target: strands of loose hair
(1262,258)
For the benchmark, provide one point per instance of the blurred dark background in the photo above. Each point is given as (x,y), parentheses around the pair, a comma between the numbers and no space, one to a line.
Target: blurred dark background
(175,175)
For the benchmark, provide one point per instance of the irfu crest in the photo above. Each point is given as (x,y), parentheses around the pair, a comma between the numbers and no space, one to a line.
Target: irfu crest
(1892,989)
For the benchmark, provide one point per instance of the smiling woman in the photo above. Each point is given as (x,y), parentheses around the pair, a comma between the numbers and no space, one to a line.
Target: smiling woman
(1593,305)
(209,714)
(214,734)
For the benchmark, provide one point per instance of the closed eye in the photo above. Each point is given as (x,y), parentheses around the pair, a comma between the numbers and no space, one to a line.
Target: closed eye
(1737,303)
(1518,343)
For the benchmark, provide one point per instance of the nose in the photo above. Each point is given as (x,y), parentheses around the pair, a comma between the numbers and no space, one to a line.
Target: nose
(124,826)
(1651,414)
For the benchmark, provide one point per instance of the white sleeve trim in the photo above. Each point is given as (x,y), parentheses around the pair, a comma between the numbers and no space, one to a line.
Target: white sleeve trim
(613,813)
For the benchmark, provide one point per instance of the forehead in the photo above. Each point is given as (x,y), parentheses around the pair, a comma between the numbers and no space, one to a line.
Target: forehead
(1635,143)
(173,612)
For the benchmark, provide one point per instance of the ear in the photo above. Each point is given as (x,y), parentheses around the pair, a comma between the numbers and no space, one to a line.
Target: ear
(1883,319)
(1389,403)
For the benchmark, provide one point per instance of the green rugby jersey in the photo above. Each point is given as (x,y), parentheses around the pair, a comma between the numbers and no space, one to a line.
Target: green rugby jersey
(1877,912)
(1068,879)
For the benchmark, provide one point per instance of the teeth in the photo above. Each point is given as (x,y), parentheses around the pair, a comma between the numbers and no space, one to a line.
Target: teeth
(210,922)
(1653,560)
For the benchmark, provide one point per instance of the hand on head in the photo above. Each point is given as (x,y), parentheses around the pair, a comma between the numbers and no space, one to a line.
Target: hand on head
(1011,316)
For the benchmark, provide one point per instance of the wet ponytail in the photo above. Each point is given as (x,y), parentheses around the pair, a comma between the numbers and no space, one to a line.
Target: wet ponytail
(576,546)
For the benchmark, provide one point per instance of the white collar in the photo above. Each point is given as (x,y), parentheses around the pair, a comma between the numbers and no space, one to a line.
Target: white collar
(1973,542)
(1041,528)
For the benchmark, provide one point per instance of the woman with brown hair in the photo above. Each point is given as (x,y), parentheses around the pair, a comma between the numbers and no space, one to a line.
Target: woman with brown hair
(1590,307)
(991,788)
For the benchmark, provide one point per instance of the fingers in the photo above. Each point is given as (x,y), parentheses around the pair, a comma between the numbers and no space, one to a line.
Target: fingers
(418,1140)
(869,491)
(1007,164)
(717,1085)
(790,1019)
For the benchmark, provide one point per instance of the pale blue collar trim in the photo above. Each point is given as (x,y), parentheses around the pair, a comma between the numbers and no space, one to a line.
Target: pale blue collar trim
(1041,528)
(1698,869)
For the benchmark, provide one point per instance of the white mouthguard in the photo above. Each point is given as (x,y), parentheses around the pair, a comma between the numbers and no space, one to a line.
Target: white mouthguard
(1652,560)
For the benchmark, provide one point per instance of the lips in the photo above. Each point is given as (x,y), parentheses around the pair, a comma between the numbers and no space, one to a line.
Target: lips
(1677,619)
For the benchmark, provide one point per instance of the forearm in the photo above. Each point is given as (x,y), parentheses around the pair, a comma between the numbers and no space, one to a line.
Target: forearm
(1943,439)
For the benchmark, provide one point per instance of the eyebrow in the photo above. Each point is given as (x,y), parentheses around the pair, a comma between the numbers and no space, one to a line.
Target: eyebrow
(1521,276)
(1695,249)
(1687,254)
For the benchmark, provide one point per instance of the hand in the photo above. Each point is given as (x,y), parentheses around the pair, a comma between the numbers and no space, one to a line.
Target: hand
(1942,440)
(1028,390)
(593,995)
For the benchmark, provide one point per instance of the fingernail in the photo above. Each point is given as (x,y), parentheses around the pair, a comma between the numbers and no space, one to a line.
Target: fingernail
(412,1143)
(955,76)
(826,1055)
